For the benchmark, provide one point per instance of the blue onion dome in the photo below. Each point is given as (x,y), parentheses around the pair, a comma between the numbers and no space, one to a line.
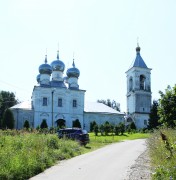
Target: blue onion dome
(38,78)
(58,65)
(45,68)
(73,72)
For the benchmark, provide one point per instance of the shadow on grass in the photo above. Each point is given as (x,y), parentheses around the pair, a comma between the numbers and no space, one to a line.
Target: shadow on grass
(87,147)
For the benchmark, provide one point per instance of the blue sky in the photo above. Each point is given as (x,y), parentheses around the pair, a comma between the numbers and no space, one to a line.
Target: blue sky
(101,33)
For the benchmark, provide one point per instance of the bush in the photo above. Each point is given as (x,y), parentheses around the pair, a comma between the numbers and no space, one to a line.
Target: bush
(117,130)
(92,124)
(24,154)
(131,128)
(8,121)
(96,130)
(107,128)
(76,123)
(101,128)
(44,124)
(122,128)
(26,124)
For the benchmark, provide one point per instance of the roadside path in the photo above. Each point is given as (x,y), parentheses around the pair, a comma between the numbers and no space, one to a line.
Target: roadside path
(111,162)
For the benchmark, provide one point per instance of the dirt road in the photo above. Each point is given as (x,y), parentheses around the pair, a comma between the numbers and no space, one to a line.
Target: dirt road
(109,163)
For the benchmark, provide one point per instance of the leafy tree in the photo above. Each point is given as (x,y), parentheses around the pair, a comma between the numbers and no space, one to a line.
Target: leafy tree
(8,119)
(101,128)
(44,124)
(109,103)
(117,130)
(167,107)
(96,130)
(107,128)
(76,123)
(121,128)
(7,100)
(60,123)
(153,116)
(113,104)
(132,126)
(26,124)
(92,124)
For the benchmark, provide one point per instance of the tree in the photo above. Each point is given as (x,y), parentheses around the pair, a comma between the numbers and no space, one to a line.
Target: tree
(96,130)
(132,126)
(92,124)
(26,124)
(153,116)
(113,104)
(8,119)
(44,124)
(167,107)
(76,123)
(107,128)
(117,130)
(7,100)
(121,128)
(101,128)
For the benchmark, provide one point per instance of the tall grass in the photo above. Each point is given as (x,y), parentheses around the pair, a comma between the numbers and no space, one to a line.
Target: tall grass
(162,148)
(23,155)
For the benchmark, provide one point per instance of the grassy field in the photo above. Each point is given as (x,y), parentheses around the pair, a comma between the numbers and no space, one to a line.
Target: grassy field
(162,148)
(100,141)
(23,154)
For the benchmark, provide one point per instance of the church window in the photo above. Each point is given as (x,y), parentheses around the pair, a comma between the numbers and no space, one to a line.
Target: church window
(142,82)
(74,103)
(131,84)
(44,101)
(59,102)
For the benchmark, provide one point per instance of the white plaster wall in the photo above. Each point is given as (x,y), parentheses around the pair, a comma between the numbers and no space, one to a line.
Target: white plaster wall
(66,112)
(44,79)
(21,115)
(139,120)
(57,75)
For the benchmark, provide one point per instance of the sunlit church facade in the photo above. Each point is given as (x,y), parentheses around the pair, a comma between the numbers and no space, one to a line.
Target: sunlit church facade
(59,101)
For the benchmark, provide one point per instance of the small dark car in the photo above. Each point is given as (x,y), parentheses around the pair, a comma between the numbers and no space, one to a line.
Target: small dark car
(77,134)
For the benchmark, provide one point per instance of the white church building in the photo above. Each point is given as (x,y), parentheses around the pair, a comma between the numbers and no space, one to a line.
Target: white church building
(59,101)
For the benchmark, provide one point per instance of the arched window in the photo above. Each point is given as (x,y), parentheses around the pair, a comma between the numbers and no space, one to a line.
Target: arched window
(142,82)
(131,84)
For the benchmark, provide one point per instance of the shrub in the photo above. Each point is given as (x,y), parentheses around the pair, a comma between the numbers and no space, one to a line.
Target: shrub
(8,119)
(92,124)
(107,128)
(101,128)
(122,128)
(44,124)
(96,130)
(26,124)
(76,123)
(117,130)
(24,154)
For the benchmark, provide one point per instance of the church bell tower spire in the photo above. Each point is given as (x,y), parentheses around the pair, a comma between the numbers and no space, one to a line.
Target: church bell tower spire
(139,91)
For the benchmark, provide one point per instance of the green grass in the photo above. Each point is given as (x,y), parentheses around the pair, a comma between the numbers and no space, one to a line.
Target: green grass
(24,154)
(163,154)
(100,141)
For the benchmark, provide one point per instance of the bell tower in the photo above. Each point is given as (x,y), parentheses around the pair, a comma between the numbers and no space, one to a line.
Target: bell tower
(139,91)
